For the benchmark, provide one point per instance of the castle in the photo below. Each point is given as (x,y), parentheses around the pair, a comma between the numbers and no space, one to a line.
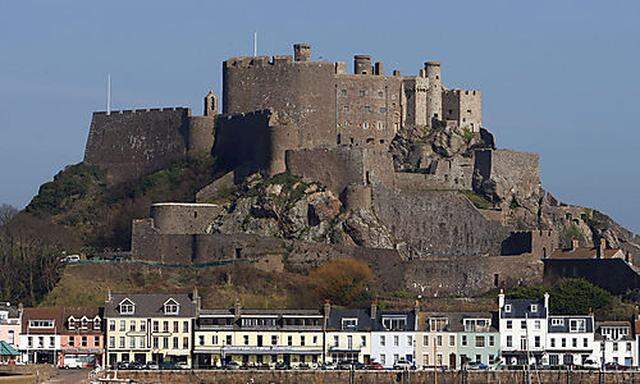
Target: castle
(348,132)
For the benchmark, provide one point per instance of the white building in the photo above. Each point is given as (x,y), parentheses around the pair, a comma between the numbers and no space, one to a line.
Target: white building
(615,343)
(40,336)
(393,337)
(523,329)
(570,341)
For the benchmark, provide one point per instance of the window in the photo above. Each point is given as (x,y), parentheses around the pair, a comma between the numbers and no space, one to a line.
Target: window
(536,324)
(214,339)
(509,324)
(380,94)
(185,327)
(176,327)
(523,324)
(365,125)
(367,108)
(615,347)
(425,359)
(574,342)
(343,92)
(132,326)
(380,125)
(553,342)
(557,322)
(509,341)
(396,357)
(425,340)
(72,341)
(121,342)
(132,342)
(175,343)
(533,308)
(123,325)
(383,340)
(383,110)
(563,342)
(228,341)
(394,324)
(628,346)
(127,307)
(245,339)
(112,325)
(165,326)
(96,341)
(156,326)
(464,340)
(349,323)
(155,342)
(315,340)
(396,340)
(492,341)
(336,341)
(577,325)
(84,341)
(585,342)
(452,340)
(289,340)
(410,340)
(479,341)
(302,340)
(165,342)
(363,341)
(507,308)
(362,93)
(274,340)
(383,359)
(185,343)
(439,341)
(112,342)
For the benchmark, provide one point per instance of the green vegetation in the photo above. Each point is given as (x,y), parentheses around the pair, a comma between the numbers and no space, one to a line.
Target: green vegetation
(478,201)
(467,135)
(569,233)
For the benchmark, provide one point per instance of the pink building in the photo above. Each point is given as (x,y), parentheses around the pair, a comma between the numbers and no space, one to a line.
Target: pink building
(81,340)
(10,323)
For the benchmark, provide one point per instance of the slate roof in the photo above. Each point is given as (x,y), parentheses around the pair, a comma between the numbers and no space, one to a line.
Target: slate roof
(409,324)
(520,309)
(365,323)
(585,253)
(13,311)
(565,327)
(455,320)
(150,304)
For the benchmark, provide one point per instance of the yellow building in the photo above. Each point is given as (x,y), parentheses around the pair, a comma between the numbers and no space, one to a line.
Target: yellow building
(149,328)
(254,337)
(348,334)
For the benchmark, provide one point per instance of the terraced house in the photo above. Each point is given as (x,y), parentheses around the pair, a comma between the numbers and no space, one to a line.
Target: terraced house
(40,335)
(256,337)
(348,334)
(150,327)
(478,338)
(570,341)
(437,340)
(81,338)
(523,329)
(394,336)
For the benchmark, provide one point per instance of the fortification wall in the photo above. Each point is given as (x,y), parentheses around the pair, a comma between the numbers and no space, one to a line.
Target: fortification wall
(468,276)
(437,223)
(254,141)
(129,144)
(301,91)
(336,168)
(510,173)
(201,134)
(184,218)
(148,243)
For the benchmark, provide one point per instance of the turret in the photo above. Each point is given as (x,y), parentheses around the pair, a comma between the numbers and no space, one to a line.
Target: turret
(302,52)
(434,93)
(210,104)
(362,65)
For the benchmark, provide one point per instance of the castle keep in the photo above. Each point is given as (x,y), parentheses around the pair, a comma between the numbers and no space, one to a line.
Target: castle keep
(403,159)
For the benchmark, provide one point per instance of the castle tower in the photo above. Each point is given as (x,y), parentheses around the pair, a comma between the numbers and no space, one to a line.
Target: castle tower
(362,65)
(210,104)
(415,90)
(302,52)
(434,92)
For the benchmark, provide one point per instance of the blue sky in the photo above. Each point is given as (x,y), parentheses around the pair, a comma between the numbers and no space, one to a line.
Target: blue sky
(559,77)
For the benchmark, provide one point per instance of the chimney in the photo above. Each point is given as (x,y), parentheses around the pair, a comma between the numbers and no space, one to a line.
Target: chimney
(574,244)
(237,309)
(374,310)
(396,72)
(362,64)
(301,52)
(546,302)
(602,246)
(501,299)
(109,295)
(326,311)
(377,69)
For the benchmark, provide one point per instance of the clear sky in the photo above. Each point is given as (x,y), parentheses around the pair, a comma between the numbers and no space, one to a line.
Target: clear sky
(560,78)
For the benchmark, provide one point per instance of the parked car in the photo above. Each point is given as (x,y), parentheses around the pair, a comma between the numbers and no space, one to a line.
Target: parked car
(345,365)
(170,365)
(123,365)
(403,365)
(615,367)
(232,365)
(152,366)
(476,366)
(281,366)
(70,259)
(328,367)
(589,365)
(375,366)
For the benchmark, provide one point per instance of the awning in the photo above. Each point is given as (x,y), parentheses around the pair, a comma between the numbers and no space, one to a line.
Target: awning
(7,349)
(260,351)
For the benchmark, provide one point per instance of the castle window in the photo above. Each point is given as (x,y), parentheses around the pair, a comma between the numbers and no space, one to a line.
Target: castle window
(496,280)
(343,92)
(383,110)
(468,111)
(238,253)
(466,92)
(338,139)
(437,77)
(379,125)
(363,92)
(195,214)
(346,108)
(451,111)
(464,119)
(365,125)
(367,108)
(370,140)
(380,93)
(381,141)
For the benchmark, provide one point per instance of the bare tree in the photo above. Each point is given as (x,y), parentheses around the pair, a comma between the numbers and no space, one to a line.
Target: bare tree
(7,212)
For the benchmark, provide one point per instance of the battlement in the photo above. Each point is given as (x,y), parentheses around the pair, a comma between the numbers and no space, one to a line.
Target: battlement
(465,92)
(265,61)
(261,112)
(145,110)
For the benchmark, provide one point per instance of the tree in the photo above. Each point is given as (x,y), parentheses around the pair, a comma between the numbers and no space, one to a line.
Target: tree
(7,212)
(575,296)
(343,281)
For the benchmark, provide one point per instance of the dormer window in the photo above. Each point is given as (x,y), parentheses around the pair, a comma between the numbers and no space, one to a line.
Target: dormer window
(71,322)
(127,307)
(96,323)
(85,323)
(171,307)
(507,308)
(349,323)
(534,308)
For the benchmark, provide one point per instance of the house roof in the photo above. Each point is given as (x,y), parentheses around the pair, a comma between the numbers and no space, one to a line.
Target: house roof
(44,313)
(150,304)
(13,311)
(585,253)
(455,320)
(410,324)
(364,323)
(564,327)
(521,308)
(80,312)
(7,349)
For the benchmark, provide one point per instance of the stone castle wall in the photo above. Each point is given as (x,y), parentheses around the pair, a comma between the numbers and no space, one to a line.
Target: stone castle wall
(510,173)
(130,144)
(434,223)
(184,218)
(464,107)
(200,135)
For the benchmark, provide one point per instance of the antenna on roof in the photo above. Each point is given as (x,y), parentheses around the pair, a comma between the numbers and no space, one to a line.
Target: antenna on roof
(108,93)
(255,44)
